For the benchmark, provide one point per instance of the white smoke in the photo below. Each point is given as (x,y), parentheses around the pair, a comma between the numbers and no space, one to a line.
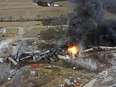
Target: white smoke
(18,49)
(5,44)
(3,31)
(87,63)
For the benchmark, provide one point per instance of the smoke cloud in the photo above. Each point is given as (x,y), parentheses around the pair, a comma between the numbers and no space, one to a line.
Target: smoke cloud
(87,24)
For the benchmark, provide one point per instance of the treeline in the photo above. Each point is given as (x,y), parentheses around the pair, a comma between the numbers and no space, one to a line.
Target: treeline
(61,20)
(21,19)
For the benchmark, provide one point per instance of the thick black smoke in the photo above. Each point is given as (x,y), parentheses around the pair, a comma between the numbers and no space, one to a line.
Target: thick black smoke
(109,5)
(88,25)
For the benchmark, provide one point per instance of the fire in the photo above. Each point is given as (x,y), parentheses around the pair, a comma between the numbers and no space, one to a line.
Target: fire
(73,50)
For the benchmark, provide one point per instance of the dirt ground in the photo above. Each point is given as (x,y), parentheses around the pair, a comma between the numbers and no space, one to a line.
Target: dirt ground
(50,77)
(59,73)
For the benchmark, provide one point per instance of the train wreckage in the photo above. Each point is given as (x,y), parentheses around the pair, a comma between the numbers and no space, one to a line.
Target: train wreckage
(34,56)
(81,58)
(22,51)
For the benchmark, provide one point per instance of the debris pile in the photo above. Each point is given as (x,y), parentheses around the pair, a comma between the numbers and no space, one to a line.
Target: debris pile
(49,38)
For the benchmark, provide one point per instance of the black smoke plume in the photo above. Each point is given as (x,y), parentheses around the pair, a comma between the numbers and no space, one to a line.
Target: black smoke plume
(87,24)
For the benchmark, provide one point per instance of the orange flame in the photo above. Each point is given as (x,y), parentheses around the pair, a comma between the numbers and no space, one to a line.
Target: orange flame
(73,50)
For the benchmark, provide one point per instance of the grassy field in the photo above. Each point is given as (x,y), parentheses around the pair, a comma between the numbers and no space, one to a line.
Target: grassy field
(10,34)
(20,24)
(28,9)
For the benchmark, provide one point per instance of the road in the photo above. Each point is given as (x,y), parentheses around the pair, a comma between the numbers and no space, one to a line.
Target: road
(4,72)
(16,81)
